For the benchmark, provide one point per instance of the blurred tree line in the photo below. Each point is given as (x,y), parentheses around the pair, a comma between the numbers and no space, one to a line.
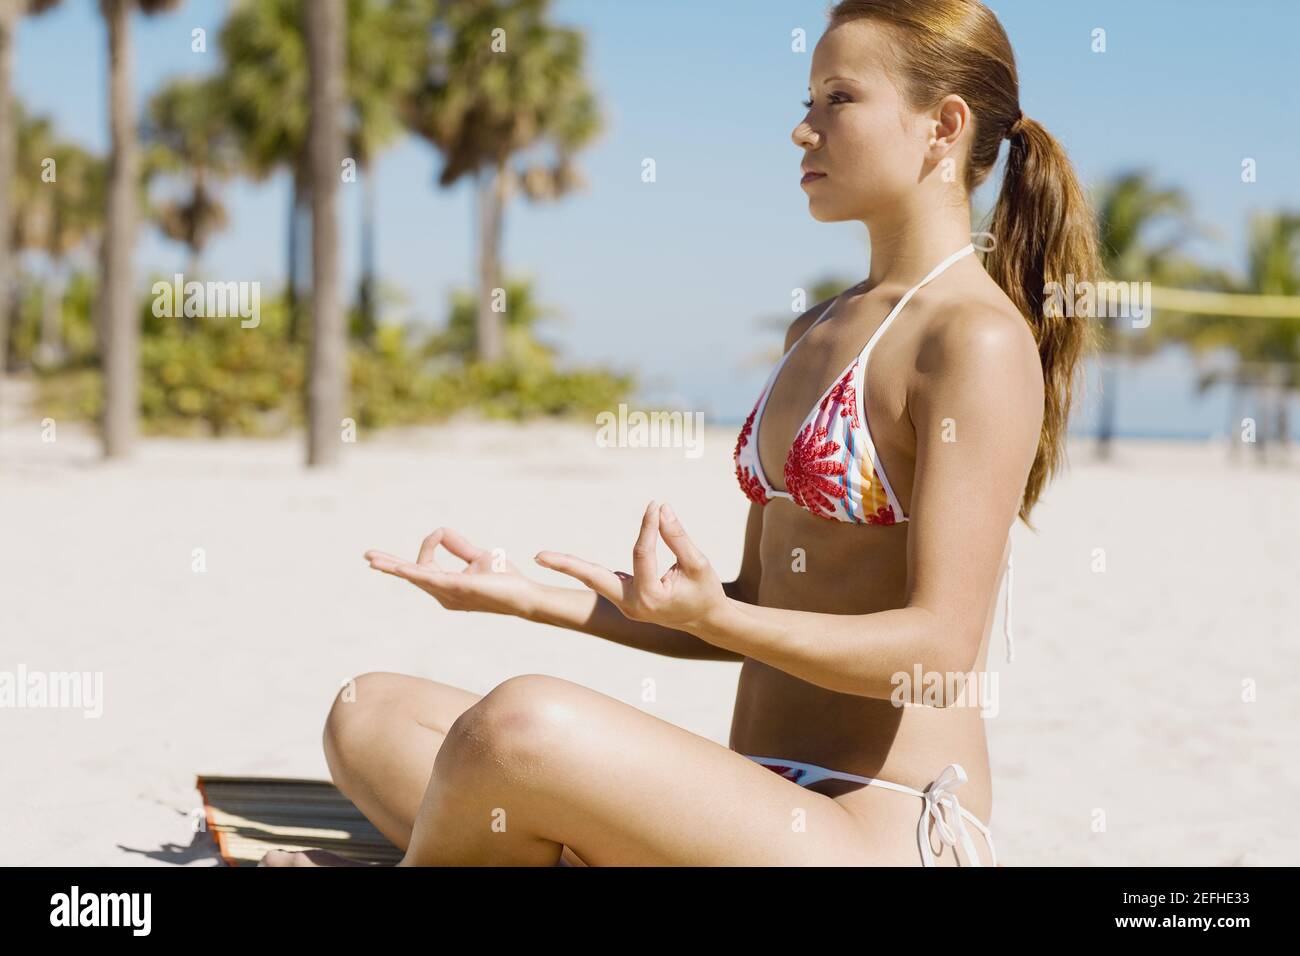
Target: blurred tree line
(491,85)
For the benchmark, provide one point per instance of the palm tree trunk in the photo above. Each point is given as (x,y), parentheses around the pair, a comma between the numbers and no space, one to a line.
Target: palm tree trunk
(1280,373)
(8,21)
(1259,396)
(488,185)
(366,291)
(1284,425)
(1109,382)
(97,317)
(196,235)
(291,254)
(1236,404)
(300,251)
(50,349)
(1284,414)
(121,320)
(18,285)
(327,372)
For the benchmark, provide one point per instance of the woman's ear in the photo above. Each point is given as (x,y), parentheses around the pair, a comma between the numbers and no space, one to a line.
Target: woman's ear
(948,122)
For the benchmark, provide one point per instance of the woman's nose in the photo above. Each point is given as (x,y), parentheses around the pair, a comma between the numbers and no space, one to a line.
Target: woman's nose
(804,136)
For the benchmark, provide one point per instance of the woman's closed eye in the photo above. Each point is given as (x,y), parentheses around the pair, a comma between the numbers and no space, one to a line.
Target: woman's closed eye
(808,103)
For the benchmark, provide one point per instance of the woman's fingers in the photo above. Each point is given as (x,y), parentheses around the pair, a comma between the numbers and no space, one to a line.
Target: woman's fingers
(429,546)
(449,538)
(406,569)
(601,580)
(453,541)
(400,567)
(674,535)
(383,557)
(460,546)
(441,584)
(644,559)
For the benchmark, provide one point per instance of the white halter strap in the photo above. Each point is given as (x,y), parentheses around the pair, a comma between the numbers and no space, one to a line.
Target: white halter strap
(907,296)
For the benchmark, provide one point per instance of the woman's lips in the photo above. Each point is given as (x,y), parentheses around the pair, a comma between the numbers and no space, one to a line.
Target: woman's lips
(811,177)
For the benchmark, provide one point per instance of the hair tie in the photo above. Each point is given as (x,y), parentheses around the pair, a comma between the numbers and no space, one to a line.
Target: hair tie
(1018,125)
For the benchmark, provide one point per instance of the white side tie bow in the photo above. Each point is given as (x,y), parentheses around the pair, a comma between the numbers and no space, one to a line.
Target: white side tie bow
(941,806)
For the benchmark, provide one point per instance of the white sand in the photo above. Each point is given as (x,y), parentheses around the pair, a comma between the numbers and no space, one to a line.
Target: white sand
(1125,696)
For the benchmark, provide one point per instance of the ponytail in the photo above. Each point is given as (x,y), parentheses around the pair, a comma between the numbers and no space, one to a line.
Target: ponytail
(1045,237)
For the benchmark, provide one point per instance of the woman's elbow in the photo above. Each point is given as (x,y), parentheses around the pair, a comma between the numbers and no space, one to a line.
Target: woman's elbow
(948,659)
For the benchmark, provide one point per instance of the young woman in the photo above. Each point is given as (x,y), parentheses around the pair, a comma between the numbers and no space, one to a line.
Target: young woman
(883,494)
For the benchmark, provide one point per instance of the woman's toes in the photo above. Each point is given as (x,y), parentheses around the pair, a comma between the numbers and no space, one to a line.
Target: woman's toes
(307,858)
(278,858)
(326,858)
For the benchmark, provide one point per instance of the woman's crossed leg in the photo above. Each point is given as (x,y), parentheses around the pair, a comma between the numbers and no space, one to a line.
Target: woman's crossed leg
(541,771)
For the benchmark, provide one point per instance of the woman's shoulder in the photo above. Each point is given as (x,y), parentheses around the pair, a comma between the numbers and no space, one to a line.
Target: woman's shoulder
(983,327)
(976,352)
(805,321)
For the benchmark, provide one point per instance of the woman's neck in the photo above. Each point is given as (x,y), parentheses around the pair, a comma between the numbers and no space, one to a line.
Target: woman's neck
(905,250)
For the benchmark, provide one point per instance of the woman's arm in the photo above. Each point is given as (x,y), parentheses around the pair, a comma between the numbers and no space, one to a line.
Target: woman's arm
(977,410)
(580,609)
(493,585)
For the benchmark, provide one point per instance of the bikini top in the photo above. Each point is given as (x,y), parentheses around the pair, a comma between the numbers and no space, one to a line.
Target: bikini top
(832,469)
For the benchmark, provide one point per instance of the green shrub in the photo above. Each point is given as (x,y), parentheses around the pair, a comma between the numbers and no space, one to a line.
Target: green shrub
(231,379)
(212,376)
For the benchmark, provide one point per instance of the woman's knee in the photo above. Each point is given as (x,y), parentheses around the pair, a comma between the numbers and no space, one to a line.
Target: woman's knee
(520,721)
(358,709)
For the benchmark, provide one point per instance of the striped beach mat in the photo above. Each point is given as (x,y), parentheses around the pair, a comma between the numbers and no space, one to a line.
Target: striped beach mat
(249,816)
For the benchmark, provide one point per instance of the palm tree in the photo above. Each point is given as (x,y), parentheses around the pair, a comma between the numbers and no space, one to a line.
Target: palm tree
(10,12)
(121,318)
(56,217)
(459,339)
(1275,270)
(266,87)
(190,128)
(265,82)
(30,211)
(1267,350)
(1128,209)
(480,103)
(382,57)
(326,31)
(73,218)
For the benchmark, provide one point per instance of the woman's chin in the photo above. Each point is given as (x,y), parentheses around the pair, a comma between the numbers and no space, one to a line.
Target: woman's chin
(820,213)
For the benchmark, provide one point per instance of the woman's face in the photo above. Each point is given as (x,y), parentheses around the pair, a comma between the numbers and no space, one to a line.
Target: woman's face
(859,133)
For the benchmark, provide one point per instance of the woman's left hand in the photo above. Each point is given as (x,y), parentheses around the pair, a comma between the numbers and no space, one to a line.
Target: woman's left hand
(684,597)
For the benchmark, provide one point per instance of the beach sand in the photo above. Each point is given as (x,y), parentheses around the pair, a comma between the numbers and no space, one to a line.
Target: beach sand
(1122,736)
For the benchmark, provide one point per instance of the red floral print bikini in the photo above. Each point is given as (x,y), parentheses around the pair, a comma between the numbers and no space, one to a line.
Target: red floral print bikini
(832,470)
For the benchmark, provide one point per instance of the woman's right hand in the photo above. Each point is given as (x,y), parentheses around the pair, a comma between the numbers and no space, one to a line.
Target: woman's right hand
(488,582)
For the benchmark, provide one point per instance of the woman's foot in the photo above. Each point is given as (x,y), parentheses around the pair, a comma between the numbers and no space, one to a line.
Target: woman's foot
(308,858)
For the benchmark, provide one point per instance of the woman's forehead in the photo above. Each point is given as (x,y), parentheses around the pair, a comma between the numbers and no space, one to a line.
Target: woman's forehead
(856,51)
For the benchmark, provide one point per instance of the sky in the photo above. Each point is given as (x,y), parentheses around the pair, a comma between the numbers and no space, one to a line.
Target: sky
(672,280)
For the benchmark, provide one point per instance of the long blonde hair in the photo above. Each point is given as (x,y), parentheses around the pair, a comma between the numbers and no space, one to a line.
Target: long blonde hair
(1042,227)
